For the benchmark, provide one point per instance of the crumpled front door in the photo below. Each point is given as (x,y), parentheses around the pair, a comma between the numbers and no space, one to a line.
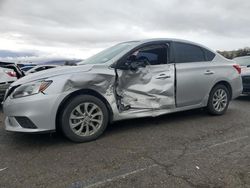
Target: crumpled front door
(150,87)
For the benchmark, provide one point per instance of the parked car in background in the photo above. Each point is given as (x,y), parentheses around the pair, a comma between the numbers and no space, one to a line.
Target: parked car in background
(39,68)
(26,68)
(129,80)
(244,62)
(7,76)
(9,73)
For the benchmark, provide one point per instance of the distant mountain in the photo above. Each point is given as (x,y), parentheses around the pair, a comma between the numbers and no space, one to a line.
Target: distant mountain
(24,57)
(14,54)
(61,61)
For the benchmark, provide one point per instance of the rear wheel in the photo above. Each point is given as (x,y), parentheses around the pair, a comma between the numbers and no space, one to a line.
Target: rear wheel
(84,118)
(218,100)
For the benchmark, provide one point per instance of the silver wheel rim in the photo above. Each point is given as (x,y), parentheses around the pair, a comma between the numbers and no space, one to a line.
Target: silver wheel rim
(86,119)
(220,100)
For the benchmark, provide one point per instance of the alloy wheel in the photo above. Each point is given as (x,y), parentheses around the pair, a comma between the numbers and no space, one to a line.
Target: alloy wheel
(220,100)
(86,119)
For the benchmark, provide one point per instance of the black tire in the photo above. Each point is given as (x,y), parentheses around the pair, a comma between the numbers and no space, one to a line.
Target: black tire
(70,106)
(210,106)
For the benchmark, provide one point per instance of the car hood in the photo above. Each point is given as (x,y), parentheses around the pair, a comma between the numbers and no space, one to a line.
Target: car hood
(53,72)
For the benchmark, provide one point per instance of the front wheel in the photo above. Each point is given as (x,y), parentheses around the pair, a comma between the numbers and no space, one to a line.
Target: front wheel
(218,100)
(84,118)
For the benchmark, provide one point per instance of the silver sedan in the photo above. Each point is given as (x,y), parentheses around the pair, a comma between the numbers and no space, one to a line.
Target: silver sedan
(129,80)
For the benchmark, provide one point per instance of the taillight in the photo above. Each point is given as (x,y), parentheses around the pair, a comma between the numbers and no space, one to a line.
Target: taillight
(238,68)
(11,73)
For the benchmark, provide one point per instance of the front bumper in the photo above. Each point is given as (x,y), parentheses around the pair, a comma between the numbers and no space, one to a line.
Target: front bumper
(11,124)
(40,110)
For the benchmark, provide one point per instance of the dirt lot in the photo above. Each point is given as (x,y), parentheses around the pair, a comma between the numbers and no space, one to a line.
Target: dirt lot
(188,149)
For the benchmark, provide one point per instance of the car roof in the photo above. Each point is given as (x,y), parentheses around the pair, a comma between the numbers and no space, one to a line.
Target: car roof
(163,39)
(170,40)
(46,66)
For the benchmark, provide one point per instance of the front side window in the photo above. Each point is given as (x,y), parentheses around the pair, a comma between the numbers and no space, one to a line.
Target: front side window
(153,54)
(185,53)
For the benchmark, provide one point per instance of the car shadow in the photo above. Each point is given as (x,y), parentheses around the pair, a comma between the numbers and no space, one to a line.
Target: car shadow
(163,120)
(50,139)
(37,139)
(244,98)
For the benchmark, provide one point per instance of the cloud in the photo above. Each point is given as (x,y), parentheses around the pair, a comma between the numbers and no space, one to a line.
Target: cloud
(85,26)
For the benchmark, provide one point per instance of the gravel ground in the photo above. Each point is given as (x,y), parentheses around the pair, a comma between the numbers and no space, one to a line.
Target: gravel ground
(187,149)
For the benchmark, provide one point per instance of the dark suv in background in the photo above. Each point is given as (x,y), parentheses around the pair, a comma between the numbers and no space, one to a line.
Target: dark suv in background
(244,62)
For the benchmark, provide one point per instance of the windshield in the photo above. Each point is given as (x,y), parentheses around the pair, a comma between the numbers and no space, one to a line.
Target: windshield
(107,54)
(243,61)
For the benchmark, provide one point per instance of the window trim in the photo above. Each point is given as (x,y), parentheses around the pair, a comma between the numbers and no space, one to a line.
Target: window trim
(207,60)
(165,46)
(119,64)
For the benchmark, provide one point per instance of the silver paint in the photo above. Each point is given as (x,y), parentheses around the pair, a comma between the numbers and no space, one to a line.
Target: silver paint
(150,91)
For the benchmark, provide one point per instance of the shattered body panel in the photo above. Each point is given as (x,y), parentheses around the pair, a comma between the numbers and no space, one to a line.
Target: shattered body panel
(145,90)
(148,89)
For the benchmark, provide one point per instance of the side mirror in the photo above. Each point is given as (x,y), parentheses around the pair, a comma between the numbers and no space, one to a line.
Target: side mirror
(134,64)
(131,63)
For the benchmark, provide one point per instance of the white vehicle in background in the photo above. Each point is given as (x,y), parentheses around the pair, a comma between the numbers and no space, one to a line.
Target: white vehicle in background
(10,73)
(26,68)
(39,68)
(7,76)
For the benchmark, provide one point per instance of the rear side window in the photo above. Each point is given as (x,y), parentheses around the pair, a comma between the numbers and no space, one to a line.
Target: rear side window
(209,55)
(185,53)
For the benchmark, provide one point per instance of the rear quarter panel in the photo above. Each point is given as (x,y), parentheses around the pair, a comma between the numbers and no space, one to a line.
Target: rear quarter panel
(224,71)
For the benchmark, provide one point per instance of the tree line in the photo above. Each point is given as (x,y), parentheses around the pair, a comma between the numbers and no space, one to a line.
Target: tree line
(235,53)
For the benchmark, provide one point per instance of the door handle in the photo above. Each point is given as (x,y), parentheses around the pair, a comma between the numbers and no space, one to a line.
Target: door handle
(163,76)
(209,72)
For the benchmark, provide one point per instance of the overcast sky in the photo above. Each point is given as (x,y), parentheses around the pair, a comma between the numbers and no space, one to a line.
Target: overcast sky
(79,28)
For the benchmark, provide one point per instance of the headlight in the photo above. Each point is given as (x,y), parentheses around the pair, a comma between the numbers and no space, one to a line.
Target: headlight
(31,89)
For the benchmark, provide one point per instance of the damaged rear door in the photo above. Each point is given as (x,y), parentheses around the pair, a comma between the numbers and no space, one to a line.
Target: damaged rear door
(147,83)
